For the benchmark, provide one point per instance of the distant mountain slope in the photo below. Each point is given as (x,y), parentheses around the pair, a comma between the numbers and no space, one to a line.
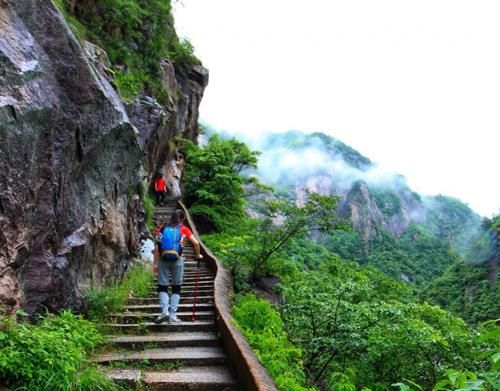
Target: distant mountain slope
(404,234)
(372,199)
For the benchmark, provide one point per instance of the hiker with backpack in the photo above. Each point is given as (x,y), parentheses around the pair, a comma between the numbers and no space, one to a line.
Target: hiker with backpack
(160,188)
(169,264)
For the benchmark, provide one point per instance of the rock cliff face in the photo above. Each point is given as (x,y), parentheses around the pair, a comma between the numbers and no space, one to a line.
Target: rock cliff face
(372,200)
(369,214)
(71,157)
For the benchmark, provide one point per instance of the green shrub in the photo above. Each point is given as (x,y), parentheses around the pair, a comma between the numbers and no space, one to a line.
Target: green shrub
(136,35)
(104,301)
(53,355)
(263,328)
(129,84)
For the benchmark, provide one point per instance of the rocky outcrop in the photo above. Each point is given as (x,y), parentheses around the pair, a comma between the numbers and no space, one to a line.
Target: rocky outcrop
(71,157)
(368,216)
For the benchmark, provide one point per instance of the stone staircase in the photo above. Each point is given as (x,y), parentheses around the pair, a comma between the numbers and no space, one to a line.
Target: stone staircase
(179,356)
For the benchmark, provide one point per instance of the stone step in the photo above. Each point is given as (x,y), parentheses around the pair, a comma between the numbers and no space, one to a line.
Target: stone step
(191,277)
(184,299)
(192,284)
(214,378)
(188,291)
(156,307)
(205,280)
(191,266)
(167,207)
(207,273)
(188,285)
(163,340)
(199,355)
(164,212)
(134,328)
(191,273)
(187,288)
(185,316)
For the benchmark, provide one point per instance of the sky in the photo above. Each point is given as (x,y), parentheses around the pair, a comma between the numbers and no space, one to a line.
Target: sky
(412,85)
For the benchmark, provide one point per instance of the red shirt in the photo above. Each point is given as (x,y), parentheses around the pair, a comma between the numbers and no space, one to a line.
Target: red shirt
(160,184)
(184,231)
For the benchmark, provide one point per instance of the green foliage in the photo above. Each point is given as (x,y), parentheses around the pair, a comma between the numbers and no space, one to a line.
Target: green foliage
(416,257)
(283,221)
(387,201)
(263,328)
(182,52)
(350,321)
(452,221)
(229,246)
(137,35)
(129,84)
(278,242)
(53,355)
(104,301)
(355,327)
(485,245)
(214,184)
(347,244)
(466,291)
(471,290)
(460,380)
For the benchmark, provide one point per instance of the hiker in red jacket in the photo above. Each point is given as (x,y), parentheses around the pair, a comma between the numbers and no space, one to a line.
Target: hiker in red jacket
(160,187)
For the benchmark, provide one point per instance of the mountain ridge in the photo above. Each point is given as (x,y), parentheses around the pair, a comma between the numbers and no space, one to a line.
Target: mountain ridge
(371,197)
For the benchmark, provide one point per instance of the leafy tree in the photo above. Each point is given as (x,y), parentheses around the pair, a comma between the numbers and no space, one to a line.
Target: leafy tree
(283,221)
(452,220)
(214,182)
(471,289)
(350,322)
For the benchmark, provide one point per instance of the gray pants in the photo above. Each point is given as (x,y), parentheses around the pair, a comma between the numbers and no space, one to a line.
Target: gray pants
(169,268)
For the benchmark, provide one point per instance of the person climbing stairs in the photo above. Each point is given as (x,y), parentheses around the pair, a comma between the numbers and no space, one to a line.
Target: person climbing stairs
(187,355)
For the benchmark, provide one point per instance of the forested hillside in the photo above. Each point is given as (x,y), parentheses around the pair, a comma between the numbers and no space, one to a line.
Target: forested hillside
(407,236)
(336,322)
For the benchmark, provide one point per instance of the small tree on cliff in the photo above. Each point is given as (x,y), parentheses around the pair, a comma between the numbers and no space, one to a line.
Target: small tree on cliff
(283,221)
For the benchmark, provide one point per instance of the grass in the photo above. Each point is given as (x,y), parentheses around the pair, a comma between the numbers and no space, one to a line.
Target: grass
(105,301)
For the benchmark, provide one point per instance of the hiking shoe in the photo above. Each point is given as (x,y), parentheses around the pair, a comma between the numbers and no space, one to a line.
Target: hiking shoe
(174,319)
(160,318)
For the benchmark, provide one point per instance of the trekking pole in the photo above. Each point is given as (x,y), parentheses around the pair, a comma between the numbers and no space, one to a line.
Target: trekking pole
(193,318)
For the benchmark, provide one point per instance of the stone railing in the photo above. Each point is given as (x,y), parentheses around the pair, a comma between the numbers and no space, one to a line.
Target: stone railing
(251,375)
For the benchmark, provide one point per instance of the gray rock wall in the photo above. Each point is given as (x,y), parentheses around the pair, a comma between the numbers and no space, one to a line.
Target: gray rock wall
(70,159)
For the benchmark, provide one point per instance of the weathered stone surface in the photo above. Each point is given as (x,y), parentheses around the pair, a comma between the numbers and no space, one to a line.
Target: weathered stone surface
(70,156)
(361,209)
(161,126)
